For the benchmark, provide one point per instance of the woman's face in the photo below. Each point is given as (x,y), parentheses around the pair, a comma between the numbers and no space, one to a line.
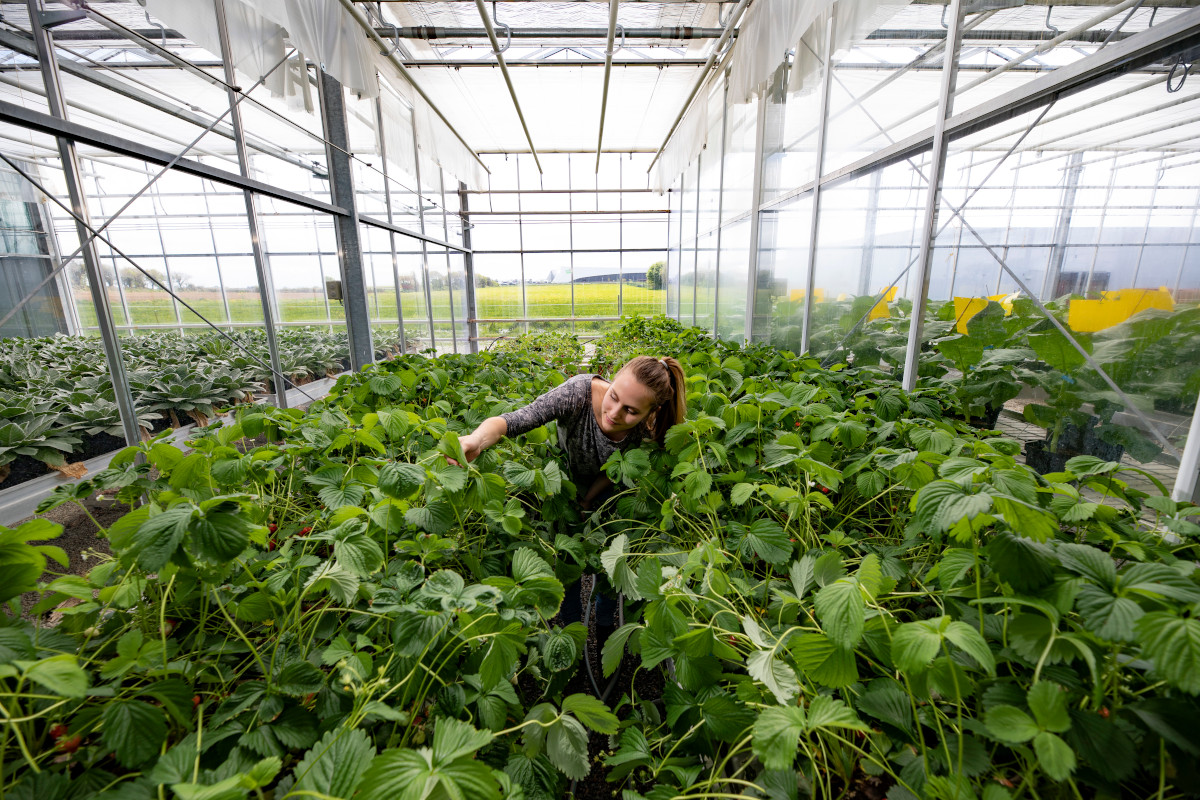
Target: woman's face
(626,404)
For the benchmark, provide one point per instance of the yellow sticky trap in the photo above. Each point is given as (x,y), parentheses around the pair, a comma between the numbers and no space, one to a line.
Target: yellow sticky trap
(798,294)
(1113,308)
(967,307)
(880,310)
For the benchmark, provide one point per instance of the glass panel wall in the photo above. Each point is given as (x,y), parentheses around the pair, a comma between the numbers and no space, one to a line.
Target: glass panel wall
(570,248)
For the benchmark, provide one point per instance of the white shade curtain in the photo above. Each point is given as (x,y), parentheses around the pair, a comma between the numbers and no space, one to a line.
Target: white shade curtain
(322,31)
(769,30)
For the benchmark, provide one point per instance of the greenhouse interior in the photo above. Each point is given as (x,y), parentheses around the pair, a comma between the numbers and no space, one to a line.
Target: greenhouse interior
(649,399)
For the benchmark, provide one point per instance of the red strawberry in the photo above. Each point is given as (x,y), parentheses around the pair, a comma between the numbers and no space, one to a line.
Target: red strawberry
(69,744)
(272,527)
(58,730)
(305,531)
(825,489)
(270,544)
(1104,712)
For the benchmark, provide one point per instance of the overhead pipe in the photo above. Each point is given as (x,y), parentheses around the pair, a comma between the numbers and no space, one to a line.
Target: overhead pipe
(734,17)
(491,33)
(670,33)
(386,50)
(676,32)
(610,40)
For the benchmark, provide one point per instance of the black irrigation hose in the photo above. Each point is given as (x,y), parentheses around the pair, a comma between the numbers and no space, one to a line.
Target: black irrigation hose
(587,661)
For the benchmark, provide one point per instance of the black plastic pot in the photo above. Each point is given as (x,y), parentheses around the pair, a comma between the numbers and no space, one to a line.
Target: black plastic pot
(985,422)
(97,445)
(1040,458)
(1175,405)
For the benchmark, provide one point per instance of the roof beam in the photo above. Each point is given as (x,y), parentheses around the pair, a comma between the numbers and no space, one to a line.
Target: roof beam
(734,17)
(655,62)
(40,122)
(610,40)
(76,69)
(432,32)
(499,53)
(1145,47)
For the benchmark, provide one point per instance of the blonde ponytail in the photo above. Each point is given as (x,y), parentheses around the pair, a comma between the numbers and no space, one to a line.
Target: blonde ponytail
(665,378)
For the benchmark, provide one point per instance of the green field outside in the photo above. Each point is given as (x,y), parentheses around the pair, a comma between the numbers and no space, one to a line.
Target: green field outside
(552,300)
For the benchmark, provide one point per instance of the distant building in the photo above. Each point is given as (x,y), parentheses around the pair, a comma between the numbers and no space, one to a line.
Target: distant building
(613,277)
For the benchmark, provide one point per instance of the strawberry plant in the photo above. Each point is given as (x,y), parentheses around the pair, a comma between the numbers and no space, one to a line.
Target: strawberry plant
(842,593)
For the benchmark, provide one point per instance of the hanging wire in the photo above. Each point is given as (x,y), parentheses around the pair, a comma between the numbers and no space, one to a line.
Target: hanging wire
(1179,62)
(1052,28)
(1117,29)
(162,29)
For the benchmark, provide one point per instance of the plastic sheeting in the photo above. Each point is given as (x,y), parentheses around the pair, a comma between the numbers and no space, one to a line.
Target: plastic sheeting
(398,127)
(257,44)
(328,35)
(690,138)
(261,31)
(773,27)
(768,31)
(561,105)
(434,138)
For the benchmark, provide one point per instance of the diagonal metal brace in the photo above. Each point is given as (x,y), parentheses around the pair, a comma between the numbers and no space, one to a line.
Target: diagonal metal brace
(52,19)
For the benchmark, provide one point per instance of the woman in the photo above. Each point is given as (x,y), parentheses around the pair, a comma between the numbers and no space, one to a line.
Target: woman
(595,419)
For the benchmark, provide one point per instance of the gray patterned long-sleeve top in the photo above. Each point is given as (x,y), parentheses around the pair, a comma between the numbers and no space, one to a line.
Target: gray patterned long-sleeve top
(579,435)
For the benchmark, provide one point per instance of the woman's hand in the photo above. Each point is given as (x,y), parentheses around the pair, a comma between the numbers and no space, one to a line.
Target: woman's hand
(481,439)
(471,446)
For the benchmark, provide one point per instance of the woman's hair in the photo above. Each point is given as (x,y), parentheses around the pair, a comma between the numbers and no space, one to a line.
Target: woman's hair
(665,379)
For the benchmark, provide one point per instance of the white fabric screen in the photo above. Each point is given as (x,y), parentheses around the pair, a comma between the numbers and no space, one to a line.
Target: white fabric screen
(260,31)
(768,31)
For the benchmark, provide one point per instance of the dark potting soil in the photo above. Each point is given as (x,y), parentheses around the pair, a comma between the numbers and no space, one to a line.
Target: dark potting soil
(97,445)
(23,468)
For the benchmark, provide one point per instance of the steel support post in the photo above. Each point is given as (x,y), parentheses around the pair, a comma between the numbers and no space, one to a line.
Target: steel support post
(571,239)
(1063,229)
(716,287)
(449,263)
(62,281)
(424,243)
(262,270)
(387,201)
(1187,480)
(91,259)
(937,168)
(464,214)
(341,190)
(760,138)
(867,262)
(696,242)
(815,217)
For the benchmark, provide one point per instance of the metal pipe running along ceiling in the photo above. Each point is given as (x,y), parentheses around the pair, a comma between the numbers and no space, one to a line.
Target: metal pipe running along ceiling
(430,32)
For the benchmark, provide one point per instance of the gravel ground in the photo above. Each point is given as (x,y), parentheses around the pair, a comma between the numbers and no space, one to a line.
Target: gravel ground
(79,539)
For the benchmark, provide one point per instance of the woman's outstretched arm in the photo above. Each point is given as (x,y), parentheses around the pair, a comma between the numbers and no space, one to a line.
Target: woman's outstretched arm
(490,431)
